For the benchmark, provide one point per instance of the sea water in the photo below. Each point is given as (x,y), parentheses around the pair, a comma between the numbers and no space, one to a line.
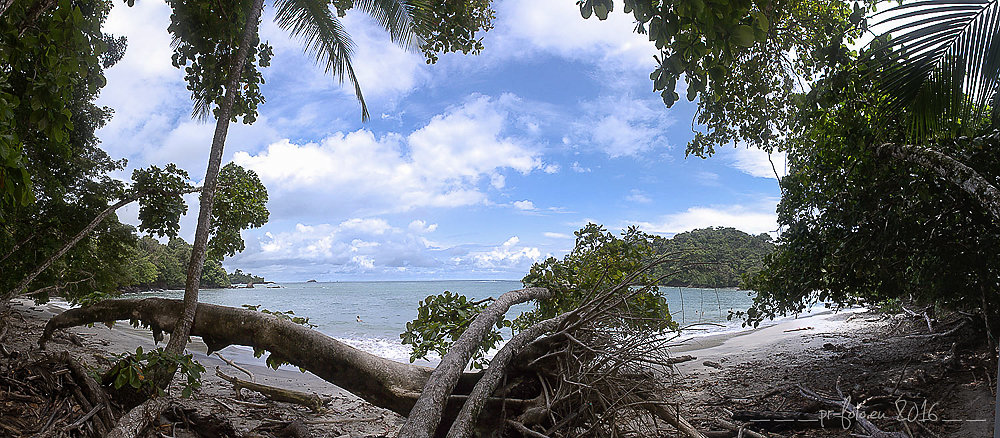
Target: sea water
(384,308)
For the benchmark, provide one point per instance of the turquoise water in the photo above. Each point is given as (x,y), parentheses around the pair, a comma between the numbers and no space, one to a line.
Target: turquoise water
(386,306)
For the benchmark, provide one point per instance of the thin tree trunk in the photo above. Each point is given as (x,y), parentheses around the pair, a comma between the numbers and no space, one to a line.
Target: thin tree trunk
(179,337)
(426,413)
(950,170)
(21,287)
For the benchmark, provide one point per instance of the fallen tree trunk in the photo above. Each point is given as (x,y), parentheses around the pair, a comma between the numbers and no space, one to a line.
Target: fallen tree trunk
(425,416)
(382,382)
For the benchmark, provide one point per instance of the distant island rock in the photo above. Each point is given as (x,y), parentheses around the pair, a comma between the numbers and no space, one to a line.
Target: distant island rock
(311,281)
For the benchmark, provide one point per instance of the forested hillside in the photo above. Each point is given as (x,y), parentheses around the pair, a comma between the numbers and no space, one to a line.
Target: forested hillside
(164,266)
(715,256)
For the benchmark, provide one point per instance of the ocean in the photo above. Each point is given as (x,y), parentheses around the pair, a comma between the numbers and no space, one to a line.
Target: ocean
(385,307)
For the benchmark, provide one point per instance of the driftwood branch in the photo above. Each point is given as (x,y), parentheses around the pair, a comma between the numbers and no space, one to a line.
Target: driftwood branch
(235,365)
(860,418)
(311,401)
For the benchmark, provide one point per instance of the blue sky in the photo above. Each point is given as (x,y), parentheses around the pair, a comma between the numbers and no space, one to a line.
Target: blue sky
(472,168)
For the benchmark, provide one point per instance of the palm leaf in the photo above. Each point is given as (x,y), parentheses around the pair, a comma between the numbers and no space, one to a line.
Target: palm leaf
(396,17)
(938,62)
(324,36)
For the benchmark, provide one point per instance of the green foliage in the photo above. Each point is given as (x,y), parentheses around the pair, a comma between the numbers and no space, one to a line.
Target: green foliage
(441,319)
(941,72)
(743,60)
(206,38)
(860,229)
(52,57)
(160,194)
(240,202)
(169,263)
(138,371)
(713,257)
(240,277)
(600,261)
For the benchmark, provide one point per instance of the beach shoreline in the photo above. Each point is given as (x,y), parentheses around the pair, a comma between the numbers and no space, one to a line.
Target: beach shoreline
(728,366)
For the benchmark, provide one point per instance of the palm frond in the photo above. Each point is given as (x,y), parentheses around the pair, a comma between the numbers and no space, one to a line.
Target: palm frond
(324,36)
(396,17)
(938,63)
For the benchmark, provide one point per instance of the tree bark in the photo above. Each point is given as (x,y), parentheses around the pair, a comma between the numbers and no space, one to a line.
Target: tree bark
(425,416)
(950,170)
(4,5)
(199,247)
(382,382)
(466,420)
(135,420)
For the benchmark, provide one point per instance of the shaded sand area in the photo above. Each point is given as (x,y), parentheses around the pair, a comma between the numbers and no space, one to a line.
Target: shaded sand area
(753,371)
(942,384)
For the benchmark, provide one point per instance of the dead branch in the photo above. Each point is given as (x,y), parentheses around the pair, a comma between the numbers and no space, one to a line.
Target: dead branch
(859,417)
(426,414)
(311,401)
(234,365)
(139,417)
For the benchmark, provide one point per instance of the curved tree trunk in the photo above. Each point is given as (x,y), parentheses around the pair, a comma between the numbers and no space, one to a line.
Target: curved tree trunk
(425,416)
(199,247)
(951,170)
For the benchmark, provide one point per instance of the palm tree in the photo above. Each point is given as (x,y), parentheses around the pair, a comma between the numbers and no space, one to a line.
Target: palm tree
(941,69)
(325,38)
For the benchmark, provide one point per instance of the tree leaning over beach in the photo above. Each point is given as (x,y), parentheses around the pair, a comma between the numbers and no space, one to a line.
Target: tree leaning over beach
(222,56)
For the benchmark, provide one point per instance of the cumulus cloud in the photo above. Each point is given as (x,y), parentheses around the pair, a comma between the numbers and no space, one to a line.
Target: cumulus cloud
(508,255)
(355,245)
(442,164)
(636,195)
(755,162)
(623,125)
(556,27)
(753,219)
(524,205)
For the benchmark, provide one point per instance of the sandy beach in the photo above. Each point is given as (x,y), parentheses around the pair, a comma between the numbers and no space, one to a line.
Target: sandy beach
(751,370)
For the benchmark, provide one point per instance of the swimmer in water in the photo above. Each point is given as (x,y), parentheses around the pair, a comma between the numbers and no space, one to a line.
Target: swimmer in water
(359,318)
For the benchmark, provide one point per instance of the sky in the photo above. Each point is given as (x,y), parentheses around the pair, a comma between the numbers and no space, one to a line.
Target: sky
(472,168)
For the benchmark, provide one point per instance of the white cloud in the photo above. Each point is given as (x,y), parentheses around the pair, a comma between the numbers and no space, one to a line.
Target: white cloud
(505,256)
(420,226)
(578,168)
(622,125)
(552,235)
(754,219)
(556,27)
(439,165)
(636,195)
(755,162)
(524,205)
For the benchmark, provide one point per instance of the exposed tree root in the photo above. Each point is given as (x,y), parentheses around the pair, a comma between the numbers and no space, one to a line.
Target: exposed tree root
(53,396)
